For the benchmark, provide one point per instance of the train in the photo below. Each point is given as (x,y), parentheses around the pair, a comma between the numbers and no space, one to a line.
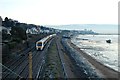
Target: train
(41,43)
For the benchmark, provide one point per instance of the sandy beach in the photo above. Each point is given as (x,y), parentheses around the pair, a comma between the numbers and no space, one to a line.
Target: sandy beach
(102,70)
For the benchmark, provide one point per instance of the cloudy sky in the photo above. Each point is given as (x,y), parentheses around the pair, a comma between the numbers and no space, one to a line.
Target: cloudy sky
(57,12)
(62,12)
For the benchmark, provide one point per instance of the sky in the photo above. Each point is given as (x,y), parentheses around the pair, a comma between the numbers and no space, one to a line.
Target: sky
(61,12)
(99,28)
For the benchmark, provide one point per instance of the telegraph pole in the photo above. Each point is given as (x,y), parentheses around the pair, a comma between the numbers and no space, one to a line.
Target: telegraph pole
(30,65)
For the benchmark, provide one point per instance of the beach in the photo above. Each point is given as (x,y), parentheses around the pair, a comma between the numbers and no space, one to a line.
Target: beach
(102,70)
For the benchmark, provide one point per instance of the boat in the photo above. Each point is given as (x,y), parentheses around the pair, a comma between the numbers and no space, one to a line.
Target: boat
(108,41)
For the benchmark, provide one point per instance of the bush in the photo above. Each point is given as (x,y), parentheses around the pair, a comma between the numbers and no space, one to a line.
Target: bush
(5,53)
(5,49)
(18,40)
(18,32)
(12,45)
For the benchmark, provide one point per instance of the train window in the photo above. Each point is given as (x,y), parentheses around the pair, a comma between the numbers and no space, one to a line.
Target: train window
(39,44)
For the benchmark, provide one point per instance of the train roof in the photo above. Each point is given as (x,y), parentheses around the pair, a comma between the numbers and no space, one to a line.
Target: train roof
(45,38)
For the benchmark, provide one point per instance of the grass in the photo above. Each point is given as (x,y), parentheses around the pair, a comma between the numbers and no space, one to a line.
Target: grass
(53,65)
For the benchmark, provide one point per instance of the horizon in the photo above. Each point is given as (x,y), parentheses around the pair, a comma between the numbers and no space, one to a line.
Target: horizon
(99,28)
(113,28)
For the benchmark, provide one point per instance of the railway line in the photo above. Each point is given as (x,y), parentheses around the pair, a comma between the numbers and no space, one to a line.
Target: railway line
(17,67)
(51,67)
(52,59)
(20,65)
(68,69)
(18,58)
(69,66)
(62,62)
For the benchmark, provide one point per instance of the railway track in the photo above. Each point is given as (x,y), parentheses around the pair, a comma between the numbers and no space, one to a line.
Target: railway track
(45,68)
(16,66)
(20,65)
(8,63)
(37,61)
(41,66)
(23,68)
(13,61)
(65,66)
(61,60)
(68,65)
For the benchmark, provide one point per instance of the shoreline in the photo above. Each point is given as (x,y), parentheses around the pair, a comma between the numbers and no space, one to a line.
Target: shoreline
(101,69)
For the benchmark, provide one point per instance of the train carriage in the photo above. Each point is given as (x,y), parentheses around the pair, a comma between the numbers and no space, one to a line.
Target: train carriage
(41,43)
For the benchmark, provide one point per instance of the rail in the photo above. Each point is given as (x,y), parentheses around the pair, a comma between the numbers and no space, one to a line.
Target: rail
(61,60)
(43,61)
(8,69)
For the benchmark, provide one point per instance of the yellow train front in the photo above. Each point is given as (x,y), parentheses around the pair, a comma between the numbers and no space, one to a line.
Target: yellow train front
(39,45)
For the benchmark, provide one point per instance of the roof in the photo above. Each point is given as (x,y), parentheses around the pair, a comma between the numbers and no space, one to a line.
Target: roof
(43,40)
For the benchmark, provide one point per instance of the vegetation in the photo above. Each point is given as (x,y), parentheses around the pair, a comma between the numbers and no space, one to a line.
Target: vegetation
(15,38)
(53,65)
(5,36)
(7,22)
(18,33)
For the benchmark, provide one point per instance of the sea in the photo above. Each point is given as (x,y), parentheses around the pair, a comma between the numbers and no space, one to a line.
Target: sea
(97,47)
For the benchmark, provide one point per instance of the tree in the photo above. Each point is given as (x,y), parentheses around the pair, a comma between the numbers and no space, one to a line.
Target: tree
(4,34)
(18,32)
(6,19)
(6,22)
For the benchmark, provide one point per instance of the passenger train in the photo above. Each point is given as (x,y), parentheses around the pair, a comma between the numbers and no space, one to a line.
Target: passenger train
(41,43)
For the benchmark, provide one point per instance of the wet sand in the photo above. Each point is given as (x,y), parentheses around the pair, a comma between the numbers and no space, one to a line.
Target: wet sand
(102,70)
